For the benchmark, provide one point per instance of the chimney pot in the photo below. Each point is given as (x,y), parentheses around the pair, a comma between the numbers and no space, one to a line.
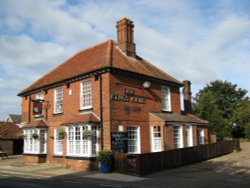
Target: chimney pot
(125,36)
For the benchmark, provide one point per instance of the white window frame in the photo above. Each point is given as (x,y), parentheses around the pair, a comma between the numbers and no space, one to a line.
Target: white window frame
(57,102)
(77,147)
(35,146)
(137,139)
(201,136)
(84,106)
(165,101)
(156,142)
(190,136)
(58,143)
(180,130)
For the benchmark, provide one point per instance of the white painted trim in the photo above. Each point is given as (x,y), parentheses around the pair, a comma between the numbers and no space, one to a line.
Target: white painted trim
(190,134)
(138,141)
(55,93)
(81,96)
(55,141)
(169,109)
(152,138)
(180,129)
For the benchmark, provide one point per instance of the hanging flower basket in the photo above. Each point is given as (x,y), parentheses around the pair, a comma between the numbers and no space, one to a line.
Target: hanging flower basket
(35,136)
(60,134)
(88,133)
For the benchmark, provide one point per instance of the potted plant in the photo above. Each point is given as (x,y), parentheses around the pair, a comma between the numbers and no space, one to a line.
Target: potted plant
(60,134)
(105,159)
(35,136)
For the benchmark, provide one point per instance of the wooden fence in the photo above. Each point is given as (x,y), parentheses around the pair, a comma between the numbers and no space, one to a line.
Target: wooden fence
(146,163)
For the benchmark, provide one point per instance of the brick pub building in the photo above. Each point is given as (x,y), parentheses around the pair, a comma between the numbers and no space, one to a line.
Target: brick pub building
(72,112)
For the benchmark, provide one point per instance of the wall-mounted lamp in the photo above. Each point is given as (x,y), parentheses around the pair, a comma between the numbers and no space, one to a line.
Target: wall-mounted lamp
(146,84)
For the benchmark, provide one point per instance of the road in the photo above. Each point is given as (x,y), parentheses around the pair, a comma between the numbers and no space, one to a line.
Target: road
(229,171)
(22,180)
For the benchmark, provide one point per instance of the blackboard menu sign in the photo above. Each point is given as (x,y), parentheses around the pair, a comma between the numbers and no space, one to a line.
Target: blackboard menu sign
(119,142)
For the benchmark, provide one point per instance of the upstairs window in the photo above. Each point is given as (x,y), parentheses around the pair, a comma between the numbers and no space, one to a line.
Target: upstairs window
(86,95)
(165,98)
(58,104)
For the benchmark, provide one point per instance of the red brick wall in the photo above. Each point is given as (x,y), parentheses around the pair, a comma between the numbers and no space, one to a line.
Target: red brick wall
(6,146)
(115,113)
(34,159)
(131,114)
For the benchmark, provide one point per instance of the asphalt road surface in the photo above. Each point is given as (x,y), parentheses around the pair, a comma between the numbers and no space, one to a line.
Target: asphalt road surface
(21,180)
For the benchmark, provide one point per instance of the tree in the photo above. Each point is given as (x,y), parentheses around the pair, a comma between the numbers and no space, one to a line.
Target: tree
(241,119)
(217,102)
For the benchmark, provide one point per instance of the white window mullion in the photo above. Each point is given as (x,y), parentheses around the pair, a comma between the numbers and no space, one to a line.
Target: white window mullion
(58,100)
(86,95)
(156,138)
(89,143)
(166,98)
(134,140)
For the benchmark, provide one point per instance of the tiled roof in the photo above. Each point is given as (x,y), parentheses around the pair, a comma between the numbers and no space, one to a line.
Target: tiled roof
(84,118)
(36,124)
(104,55)
(16,118)
(9,130)
(180,118)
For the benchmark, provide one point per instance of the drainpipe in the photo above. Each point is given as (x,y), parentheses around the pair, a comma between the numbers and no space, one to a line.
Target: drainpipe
(29,111)
(101,112)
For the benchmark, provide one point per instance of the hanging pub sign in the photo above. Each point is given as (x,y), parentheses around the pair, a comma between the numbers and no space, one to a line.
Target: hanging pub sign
(119,142)
(37,107)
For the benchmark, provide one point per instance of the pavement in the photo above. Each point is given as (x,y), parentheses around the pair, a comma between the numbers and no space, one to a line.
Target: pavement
(14,165)
(232,170)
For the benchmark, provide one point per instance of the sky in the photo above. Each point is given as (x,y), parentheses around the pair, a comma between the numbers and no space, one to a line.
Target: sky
(196,40)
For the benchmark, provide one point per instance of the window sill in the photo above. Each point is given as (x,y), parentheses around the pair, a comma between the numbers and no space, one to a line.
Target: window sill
(167,111)
(57,156)
(35,154)
(80,157)
(38,116)
(85,109)
(58,114)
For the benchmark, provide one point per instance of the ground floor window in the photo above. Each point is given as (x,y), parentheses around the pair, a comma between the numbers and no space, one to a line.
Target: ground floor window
(133,140)
(178,143)
(35,140)
(201,138)
(58,142)
(82,140)
(156,138)
(189,136)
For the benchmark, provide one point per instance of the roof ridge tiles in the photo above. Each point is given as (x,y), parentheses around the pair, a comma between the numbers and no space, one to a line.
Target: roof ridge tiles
(104,55)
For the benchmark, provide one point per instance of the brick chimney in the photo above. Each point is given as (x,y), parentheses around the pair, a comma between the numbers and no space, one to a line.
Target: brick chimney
(125,36)
(187,96)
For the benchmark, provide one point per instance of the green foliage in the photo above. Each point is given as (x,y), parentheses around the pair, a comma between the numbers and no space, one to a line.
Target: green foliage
(247,131)
(219,103)
(104,156)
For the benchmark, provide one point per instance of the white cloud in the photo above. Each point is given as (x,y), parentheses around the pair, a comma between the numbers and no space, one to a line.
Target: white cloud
(191,40)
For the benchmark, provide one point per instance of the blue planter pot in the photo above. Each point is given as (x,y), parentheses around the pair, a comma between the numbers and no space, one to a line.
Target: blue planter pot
(104,168)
